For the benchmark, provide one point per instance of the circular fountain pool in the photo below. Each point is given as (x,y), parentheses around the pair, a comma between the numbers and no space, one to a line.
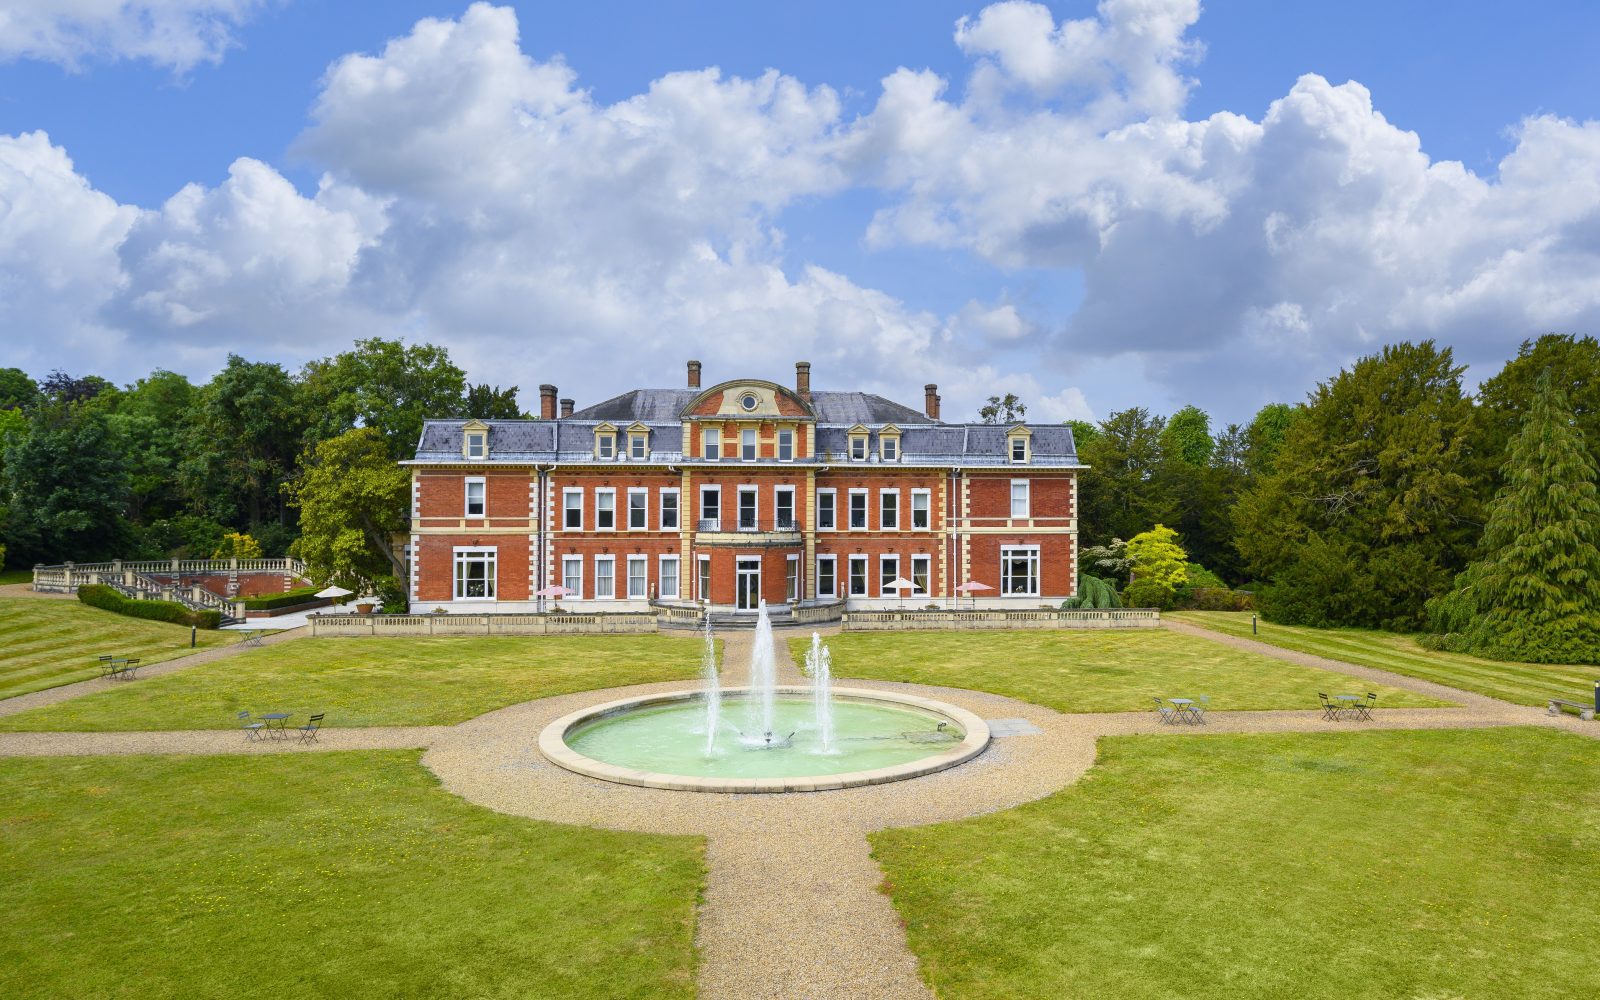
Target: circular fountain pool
(660,741)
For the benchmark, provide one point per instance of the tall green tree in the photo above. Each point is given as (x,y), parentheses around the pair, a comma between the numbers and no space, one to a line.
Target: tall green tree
(1367,511)
(1084,433)
(1187,437)
(64,486)
(244,442)
(387,385)
(1535,593)
(17,390)
(1572,364)
(353,502)
(1007,409)
(1122,494)
(1265,435)
(490,402)
(151,421)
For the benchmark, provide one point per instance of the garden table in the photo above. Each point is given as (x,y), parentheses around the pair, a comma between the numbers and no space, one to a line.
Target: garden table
(276,724)
(1185,710)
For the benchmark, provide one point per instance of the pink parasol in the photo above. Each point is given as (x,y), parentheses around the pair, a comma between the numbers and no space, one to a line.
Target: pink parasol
(556,591)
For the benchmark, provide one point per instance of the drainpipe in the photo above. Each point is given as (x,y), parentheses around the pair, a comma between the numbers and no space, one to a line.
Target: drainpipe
(543,493)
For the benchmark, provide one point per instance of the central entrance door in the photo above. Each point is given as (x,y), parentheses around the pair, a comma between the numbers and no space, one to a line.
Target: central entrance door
(747,577)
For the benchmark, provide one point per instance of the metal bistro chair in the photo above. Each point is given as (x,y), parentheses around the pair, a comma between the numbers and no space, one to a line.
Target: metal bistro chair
(1363,709)
(252,730)
(1168,716)
(1197,710)
(127,671)
(1330,711)
(308,732)
(105,665)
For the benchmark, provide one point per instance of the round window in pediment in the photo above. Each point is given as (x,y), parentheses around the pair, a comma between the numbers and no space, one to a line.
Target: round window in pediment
(749,401)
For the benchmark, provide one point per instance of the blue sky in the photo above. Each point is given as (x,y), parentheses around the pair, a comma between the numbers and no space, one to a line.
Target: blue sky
(985,298)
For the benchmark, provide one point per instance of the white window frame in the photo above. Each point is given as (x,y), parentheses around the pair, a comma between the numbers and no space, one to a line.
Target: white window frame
(926,496)
(926,561)
(885,576)
(702,577)
(885,525)
(1027,499)
(1018,449)
(749,444)
(642,563)
(605,446)
(850,579)
(667,576)
(567,563)
(885,444)
(791,579)
(832,576)
(1029,551)
(858,448)
(638,446)
(643,493)
(778,493)
(711,444)
(461,555)
(866,510)
(567,493)
(481,440)
(700,509)
(676,510)
(785,444)
(605,491)
(610,562)
(747,490)
(831,522)
(483,496)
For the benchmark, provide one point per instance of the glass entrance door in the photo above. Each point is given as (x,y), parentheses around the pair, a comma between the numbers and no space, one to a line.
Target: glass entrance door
(747,595)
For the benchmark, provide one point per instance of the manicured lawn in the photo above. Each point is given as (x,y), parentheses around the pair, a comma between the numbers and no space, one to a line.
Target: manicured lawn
(8,576)
(1380,864)
(1521,683)
(46,643)
(1091,670)
(323,875)
(374,682)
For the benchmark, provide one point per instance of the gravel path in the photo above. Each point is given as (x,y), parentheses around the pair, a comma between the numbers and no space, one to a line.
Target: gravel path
(66,692)
(792,906)
(26,590)
(212,741)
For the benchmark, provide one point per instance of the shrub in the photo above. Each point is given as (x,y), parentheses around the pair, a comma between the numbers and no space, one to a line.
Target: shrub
(267,602)
(1093,592)
(393,595)
(108,599)
(236,545)
(1200,577)
(1214,599)
(1148,594)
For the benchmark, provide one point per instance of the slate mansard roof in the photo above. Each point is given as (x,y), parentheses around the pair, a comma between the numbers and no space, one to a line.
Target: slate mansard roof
(923,441)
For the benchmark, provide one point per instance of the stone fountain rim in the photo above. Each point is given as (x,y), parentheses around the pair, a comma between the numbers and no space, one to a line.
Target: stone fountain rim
(553,744)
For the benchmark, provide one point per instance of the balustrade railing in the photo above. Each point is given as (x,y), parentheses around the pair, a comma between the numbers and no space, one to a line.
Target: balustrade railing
(746,524)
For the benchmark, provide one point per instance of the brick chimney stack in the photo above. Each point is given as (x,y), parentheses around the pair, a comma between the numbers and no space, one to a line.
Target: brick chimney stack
(930,400)
(566,408)
(547,402)
(694,374)
(802,379)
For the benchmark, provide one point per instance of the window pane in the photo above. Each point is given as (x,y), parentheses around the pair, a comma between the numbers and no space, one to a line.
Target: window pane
(888,572)
(858,575)
(572,574)
(747,439)
(573,501)
(638,504)
(669,511)
(668,584)
(858,510)
(792,589)
(825,582)
(785,445)
(919,572)
(889,510)
(919,510)
(712,447)
(605,584)
(705,579)
(825,512)
(637,578)
(1019,499)
(605,510)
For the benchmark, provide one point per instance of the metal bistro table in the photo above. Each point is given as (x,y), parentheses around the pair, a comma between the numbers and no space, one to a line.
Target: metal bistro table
(1347,702)
(1185,710)
(277,724)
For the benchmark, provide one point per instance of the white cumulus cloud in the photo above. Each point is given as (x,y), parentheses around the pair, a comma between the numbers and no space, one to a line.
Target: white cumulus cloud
(175,33)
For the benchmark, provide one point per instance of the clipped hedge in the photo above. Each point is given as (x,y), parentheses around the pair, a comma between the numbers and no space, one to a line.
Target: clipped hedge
(300,595)
(98,595)
(1214,599)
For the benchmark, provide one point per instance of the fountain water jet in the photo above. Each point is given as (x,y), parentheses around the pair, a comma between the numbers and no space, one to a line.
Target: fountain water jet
(763,680)
(819,666)
(708,663)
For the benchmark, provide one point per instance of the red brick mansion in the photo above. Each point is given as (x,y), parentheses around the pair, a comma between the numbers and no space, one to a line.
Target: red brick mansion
(738,492)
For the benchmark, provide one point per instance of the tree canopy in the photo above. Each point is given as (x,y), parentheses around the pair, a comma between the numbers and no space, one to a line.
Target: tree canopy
(353,501)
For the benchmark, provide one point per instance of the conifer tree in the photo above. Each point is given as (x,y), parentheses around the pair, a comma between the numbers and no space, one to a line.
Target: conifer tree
(1534,595)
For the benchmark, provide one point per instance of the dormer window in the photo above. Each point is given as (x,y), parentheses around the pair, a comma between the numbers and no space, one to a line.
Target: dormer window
(605,445)
(475,440)
(858,447)
(638,446)
(889,443)
(1019,445)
